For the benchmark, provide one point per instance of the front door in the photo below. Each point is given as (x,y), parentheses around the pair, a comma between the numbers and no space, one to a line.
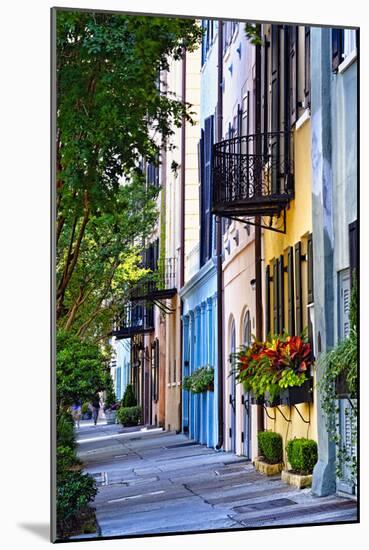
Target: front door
(232,390)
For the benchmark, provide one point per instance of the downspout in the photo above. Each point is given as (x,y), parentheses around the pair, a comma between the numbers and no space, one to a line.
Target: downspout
(182,223)
(258,259)
(218,228)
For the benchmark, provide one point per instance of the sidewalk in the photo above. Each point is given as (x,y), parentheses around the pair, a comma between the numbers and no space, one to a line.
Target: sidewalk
(153,481)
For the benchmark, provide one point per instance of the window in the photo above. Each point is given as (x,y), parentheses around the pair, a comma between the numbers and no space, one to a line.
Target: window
(155,370)
(247,329)
(207,38)
(343,44)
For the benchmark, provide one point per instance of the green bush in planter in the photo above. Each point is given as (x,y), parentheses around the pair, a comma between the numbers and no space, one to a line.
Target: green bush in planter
(302,454)
(129,398)
(271,446)
(129,416)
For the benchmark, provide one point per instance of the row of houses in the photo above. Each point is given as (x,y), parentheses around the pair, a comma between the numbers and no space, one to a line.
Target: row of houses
(257,233)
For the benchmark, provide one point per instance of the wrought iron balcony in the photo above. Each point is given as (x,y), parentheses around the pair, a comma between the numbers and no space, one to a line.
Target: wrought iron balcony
(158,284)
(253,175)
(134,319)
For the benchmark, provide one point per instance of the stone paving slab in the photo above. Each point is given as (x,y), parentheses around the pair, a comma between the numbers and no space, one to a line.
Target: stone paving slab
(160,482)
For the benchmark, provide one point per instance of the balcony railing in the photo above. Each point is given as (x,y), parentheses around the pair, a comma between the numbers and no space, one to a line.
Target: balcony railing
(158,284)
(253,175)
(134,319)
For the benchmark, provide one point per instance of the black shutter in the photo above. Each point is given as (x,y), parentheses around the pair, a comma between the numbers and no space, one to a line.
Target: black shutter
(205,222)
(275,297)
(353,248)
(265,97)
(293,77)
(298,288)
(281,294)
(267,300)
(310,269)
(291,292)
(275,108)
(337,48)
(307,68)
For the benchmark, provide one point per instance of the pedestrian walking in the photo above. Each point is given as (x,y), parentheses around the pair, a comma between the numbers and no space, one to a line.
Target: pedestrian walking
(77,412)
(95,407)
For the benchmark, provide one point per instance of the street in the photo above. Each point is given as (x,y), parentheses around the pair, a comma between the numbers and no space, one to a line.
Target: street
(151,481)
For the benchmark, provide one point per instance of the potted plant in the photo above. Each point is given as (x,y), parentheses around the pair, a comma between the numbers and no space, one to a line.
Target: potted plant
(200,381)
(110,404)
(270,461)
(302,454)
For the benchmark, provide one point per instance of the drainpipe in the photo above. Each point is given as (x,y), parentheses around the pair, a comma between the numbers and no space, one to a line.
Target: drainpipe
(218,228)
(182,223)
(258,293)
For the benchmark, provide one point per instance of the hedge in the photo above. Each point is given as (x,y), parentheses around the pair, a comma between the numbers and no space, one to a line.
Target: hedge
(302,454)
(271,446)
(129,416)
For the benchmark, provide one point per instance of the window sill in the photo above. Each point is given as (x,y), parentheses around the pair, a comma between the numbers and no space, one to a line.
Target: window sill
(348,61)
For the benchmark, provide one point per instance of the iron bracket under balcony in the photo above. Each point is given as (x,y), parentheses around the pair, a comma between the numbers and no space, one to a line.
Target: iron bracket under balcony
(253,177)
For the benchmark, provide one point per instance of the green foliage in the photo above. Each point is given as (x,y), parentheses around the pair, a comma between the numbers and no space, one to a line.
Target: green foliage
(129,399)
(112,112)
(65,430)
(271,446)
(74,491)
(252,34)
(80,369)
(200,381)
(302,454)
(85,408)
(66,459)
(129,416)
(341,361)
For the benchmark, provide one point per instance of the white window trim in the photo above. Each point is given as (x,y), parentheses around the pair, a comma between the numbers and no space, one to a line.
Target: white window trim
(348,61)
(303,118)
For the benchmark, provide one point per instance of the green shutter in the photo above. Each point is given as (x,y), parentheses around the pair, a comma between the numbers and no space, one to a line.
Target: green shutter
(291,292)
(275,297)
(267,300)
(298,288)
(310,269)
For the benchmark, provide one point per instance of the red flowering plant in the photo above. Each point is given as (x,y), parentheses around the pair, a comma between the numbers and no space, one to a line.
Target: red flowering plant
(281,361)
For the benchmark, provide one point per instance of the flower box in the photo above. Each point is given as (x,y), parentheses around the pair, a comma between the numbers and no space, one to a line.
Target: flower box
(110,416)
(256,400)
(297,394)
(341,386)
(269,402)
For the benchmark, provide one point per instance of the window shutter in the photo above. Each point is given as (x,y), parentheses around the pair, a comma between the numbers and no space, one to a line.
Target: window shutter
(205,234)
(267,300)
(275,108)
(344,303)
(281,294)
(265,96)
(353,247)
(291,292)
(293,77)
(275,297)
(307,68)
(337,48)
(310,269)
(298,288)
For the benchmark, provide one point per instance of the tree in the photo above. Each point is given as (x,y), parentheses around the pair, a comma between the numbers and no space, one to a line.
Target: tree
(112,111)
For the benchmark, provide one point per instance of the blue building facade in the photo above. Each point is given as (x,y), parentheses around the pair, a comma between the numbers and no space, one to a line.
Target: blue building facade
(121,366)
(199,294)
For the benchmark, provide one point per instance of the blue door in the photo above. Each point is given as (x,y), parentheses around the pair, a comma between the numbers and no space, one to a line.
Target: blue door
(232,390)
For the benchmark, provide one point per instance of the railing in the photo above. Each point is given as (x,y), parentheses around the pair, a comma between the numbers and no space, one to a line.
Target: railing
(253,175)
(134,319)
(160,283)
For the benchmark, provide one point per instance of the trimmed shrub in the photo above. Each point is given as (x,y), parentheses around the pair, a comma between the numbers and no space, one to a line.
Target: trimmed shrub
(271,446)
(302,454)
(66,459)
(73,493)
(129,416)
(129,399)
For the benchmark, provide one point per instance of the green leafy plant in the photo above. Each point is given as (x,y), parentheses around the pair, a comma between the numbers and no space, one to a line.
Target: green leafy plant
(110,398)
(65,430)
(302,454)
(129,416)
(271,446)
(129,398)
(85,408)
(282,361)
(341,361)
(200,381)
(74,491)
(252,34)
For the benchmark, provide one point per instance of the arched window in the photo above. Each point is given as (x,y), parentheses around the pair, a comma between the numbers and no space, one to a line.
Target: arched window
(247,329)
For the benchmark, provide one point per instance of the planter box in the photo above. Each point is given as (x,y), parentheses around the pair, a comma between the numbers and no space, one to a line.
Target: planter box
(266,468)
(110,417)
(256,400)
(271,403)
(297,480)
(341,387)
(298,394)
